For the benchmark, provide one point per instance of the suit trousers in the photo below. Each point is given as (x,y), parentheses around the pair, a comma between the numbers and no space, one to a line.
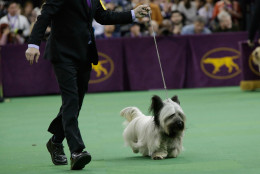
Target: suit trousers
(73,77)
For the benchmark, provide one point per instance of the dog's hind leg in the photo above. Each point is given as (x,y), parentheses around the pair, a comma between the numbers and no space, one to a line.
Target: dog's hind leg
(135,150)
(135,146)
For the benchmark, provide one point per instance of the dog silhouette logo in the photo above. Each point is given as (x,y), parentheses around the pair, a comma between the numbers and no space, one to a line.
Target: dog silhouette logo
(221,63)
(99,68)
(253,67)
(103,70)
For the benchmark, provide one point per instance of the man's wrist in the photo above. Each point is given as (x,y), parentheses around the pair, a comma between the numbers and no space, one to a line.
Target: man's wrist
(33,46)
(133,15)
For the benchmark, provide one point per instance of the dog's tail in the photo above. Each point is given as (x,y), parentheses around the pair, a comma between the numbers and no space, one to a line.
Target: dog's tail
(130,113)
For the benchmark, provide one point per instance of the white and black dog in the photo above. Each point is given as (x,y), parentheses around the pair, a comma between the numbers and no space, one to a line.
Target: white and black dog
(157,136)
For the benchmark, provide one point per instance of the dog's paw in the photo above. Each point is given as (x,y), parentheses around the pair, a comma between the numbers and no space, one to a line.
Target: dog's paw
(135,150)
(158,157)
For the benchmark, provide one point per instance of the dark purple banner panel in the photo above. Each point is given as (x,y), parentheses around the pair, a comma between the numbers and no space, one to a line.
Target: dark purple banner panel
(108,74)
(143,68)
(20,78)
(214,60)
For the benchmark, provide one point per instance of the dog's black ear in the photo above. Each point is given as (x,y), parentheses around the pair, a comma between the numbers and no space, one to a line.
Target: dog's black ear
(176,99)
(156,107)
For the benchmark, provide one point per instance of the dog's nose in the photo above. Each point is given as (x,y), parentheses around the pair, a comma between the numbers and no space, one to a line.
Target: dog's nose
(180,124)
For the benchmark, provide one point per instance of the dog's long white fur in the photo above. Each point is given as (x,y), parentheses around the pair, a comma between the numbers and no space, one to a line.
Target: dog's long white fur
(140,133)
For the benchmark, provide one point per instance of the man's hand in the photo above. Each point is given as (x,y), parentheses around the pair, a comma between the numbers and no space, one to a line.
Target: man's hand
(6,31)
(142,11)
(32,53)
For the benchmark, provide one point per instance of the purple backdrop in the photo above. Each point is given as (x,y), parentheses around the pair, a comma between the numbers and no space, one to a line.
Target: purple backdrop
(21,78)
(132,64)
(143,67)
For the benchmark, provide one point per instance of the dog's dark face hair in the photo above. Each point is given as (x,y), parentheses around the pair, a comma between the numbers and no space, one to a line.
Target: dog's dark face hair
(257,56)
(176,126)
(157,105)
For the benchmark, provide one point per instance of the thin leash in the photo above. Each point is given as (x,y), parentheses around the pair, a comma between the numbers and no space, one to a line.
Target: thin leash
(159,59)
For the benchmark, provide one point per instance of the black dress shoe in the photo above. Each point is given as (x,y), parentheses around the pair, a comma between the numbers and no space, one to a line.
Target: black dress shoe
(57,154)
(79,160)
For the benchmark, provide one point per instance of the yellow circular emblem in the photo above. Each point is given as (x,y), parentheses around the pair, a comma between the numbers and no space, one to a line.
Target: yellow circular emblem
(103,70)
(212,65)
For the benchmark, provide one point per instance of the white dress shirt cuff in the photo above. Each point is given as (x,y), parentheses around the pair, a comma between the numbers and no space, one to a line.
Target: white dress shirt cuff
(133,15)
(33,46)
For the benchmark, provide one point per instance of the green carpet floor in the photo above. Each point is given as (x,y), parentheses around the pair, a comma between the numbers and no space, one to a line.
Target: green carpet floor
(222,136)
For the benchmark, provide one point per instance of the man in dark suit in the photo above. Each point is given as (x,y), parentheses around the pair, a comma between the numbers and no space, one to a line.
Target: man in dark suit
(71,49)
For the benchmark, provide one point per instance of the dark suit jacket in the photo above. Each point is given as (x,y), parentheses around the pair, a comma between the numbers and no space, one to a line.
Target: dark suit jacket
(255,23)
(71,28)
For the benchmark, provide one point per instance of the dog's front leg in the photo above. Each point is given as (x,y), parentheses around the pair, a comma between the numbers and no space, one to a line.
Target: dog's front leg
(159,155)
(174,153)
